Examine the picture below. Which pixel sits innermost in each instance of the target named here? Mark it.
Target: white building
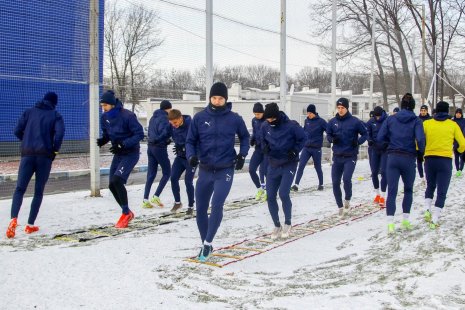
(296, 104)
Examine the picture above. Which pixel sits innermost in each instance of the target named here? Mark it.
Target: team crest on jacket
(228, 178)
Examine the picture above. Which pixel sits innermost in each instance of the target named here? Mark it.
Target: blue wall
(44, 46)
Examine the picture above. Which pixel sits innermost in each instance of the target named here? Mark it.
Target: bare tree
(131, 33)
(443, 28)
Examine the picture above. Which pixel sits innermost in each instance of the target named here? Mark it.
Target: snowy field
(355, 266)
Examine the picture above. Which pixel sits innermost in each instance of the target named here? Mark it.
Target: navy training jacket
(180, 134)
(256, 132)
(314, 129)
(348, 129)
(121, 126)
(41, 130)
(211, 137)
(373, 128)
(160, 129)
(403, 131)
(286, 136)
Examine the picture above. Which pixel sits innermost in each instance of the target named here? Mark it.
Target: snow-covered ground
(355, 266)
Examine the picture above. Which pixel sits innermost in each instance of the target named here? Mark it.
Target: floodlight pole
(283, 81)
(94, 98)
(209, 48)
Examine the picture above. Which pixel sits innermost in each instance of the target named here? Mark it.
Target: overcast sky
(184, 31)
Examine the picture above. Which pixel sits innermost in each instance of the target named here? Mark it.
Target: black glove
(292, 154)
(240, 160)
(53, 155)
(385, 146)
(420, 156)
(101, 142)
(336, 140)
(370, 143)
(193, 161)
(116, 148)
(266, 149)
(355, 143)
(252, 142)
(168, 142)
(179, 149)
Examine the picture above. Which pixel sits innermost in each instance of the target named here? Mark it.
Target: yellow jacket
(440, 136)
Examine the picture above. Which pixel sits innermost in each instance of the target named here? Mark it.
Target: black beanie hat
(459, 110)
(344, 102)
(258, 108)
(271, 111)
(165, 104)
(108, 97)
(442, 106)
(311, 108)
(378, 111)
(51, 97)
(407, 102)
(219, 89)
(396, 109)
(424, 107)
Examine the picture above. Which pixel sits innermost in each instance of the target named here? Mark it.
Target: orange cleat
(11, 230)
(377, 198)
(382, 203)
(124, 220)
(31, 229)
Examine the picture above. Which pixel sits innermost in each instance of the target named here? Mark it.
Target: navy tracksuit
(378, 158)
(403, 132)
(211, 138)
(282, 143)
(419, 163)
(346, 133)
(313, 129)
(438, 171)
(180, 163)
(258, 159)
(121, 126)
(159, 135)
(370, 148)
(459, 157)
(41, 130)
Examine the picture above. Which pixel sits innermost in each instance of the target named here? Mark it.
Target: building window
(355, 108)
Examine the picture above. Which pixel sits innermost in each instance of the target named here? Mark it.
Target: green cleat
(155, 200)
(406, 225)
(391, 228)
(146, 204)
(427, 216)
(433, 226)
(458, 173)
(259, 194)
(264, 197)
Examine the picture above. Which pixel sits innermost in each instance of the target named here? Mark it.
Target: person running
(423, 116)
(440, 133)
(210, 145)
(159, 137)
(370, 147)
(313, 128)
(378, 155)
(181, 124)
(346, 133)
(258, 160)
(459, 158)
(123, 130)
(283, 140)
(41, 130)
(404, 133)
